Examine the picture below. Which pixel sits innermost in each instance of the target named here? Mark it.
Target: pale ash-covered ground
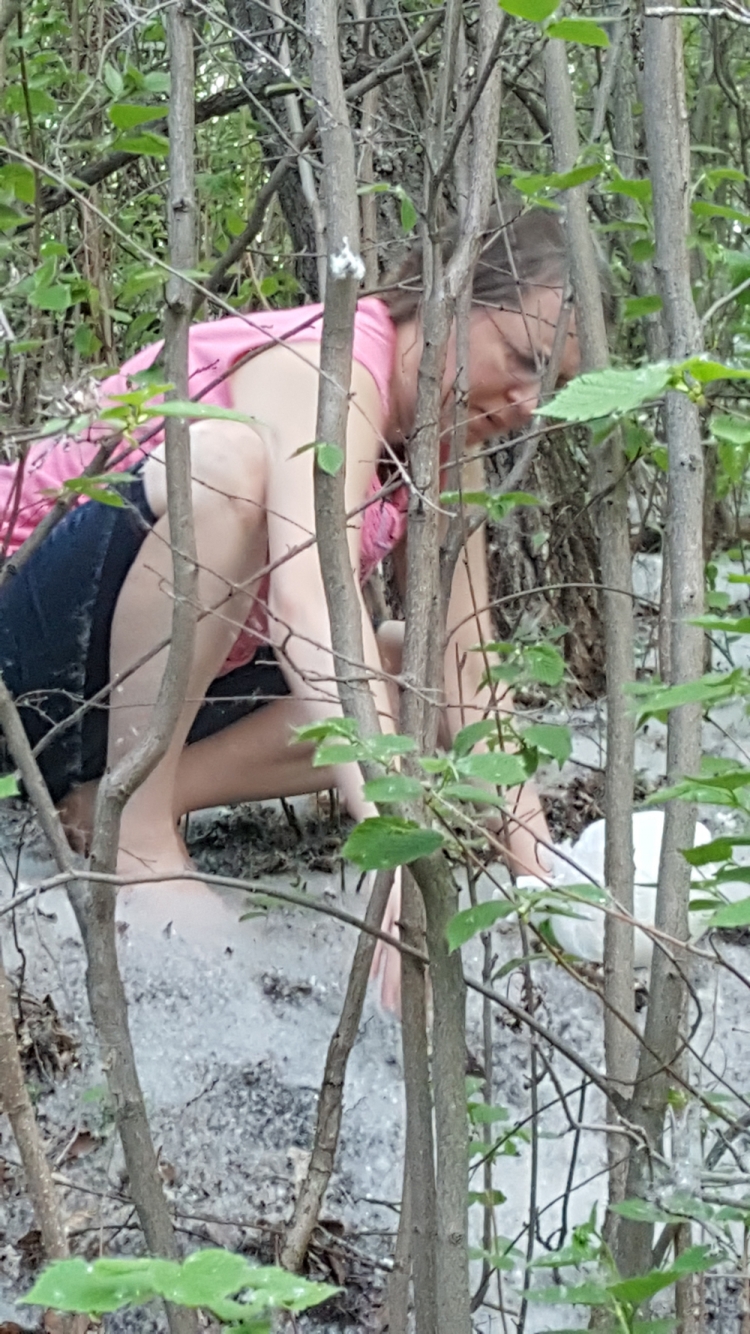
(231, 1022)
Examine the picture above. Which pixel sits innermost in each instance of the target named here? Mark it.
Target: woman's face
(508, 354)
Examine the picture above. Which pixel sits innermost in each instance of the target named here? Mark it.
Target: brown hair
(520, 251)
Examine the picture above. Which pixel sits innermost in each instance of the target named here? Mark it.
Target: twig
(330, 1098)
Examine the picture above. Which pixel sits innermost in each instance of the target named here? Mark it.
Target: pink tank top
(28, 492)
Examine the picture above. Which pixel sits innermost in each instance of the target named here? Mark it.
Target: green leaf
(392, 787)
(705, 208)
(8, 786)
(642, 251)
(544, 664)
(465, 740)
(706, 371)
(635, 307)
(483, 1114)
(113, 80)
(639, 188)
(56, 297)
(177, 407)
(126, 115)
(640, 1211)
(93, 1289)
(19, 178)
(408, 211)
(478, 796)
(551, 739)
(496, 1259)
(583, 1294)
(494, 767)
(732, 914)
(319, 731)
(535, 11)
(583, 31)
(332, 752)
(146, 143)
(385, 841)
(329, 458)
(610, 391)
(384, 748)
(93, 489)
(732, 430)
(468, 923)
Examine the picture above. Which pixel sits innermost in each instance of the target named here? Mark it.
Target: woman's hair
(520, 251)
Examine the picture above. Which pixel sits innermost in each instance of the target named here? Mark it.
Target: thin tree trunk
(94, 904)
(609, 483)
(666, 123)
(17, 1105)
(330, 1100)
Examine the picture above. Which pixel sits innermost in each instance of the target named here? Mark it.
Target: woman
(94, 598)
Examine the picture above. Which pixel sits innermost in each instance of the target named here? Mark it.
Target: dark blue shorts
(55, 627)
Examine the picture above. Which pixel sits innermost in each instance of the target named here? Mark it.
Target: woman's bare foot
(159, 896)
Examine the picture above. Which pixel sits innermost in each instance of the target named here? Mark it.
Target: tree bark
(665, 115)
(609, 483)
(94, 904)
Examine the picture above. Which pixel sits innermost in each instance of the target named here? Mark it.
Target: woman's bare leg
(252, 760)
(231, 542)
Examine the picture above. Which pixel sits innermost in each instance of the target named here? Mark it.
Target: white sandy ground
(231, 1022)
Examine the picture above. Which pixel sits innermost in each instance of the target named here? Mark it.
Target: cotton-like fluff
(583, 935)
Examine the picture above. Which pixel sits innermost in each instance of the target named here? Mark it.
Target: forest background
(170, 162)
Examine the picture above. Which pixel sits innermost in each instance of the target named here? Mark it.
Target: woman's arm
(284, 402)
(469, 624)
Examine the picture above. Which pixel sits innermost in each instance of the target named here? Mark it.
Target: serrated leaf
(382, 842)
(392, 787)
(582, 1294)
(147, 144)
(114, 80)
(732, 914)
(465, 925)
(535, 11)
(465, 740)
(54, 298)
(635, 307)
(19, 178)
(612, 391)
(329, 458)
(408, 212)
(386, 747)
(732, 430)
(550, 738)
(583, 31)
(640, 1211)
(705, 208)
(332, 752)
(639, 188)
(194, 411)
(494, 767)
(126, 115)
(479, 796)
(706, 371)
(8, 786)
(544, 664)
(93, 489)
(484, 1114)
(345, 727)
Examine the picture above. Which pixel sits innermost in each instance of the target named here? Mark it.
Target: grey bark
(667, 135)
(609, 482)
(94, 904)
(331, 1095)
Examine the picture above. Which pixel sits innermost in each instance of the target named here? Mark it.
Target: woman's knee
(390, 638)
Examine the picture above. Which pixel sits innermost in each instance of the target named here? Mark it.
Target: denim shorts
(55, 628)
